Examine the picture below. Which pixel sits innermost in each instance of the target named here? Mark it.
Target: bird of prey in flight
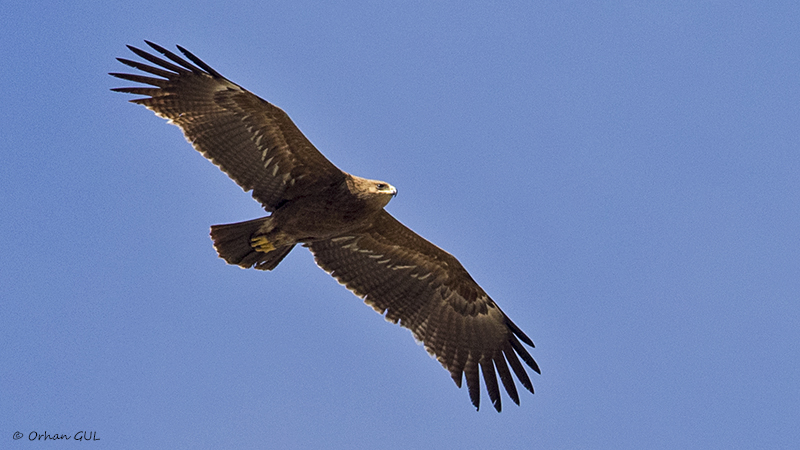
(339, 217)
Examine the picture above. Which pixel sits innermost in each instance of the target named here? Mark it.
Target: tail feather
(232, 242)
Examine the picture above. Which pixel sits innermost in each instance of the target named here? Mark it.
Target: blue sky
(621, 178)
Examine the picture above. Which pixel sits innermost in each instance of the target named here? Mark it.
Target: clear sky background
(621, 177)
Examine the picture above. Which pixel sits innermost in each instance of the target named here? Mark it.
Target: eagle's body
(338, 216)
(346, 206)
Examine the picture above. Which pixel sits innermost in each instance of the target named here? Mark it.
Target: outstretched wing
(428, 291)
(251, 140)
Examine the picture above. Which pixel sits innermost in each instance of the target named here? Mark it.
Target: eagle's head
(376, 193)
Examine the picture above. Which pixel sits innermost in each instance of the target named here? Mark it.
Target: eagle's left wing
(428, 291)
(250, 139)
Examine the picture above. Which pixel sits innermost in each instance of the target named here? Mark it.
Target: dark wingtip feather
(145, 68)
(517, 367)
(158, 61)
(505, 377)
(156, 47)
(173, 57)
(473, 382)
(491, 383)
(147, 92)
(525, 355)
(159, 82)
(199, 62)
(456, 376)
(517, 331)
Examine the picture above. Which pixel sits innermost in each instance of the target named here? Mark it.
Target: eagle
(339, 217)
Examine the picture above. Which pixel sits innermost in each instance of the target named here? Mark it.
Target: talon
(262, 244)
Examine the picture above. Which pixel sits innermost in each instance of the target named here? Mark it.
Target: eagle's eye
(381, 186)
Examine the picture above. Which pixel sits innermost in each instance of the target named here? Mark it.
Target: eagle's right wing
(251, 140)
(428, 291)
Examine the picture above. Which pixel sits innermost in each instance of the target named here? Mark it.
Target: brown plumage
(338, 216)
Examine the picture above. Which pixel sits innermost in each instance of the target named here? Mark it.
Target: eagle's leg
(262, 244)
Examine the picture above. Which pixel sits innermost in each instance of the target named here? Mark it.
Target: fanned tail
(232, 242)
